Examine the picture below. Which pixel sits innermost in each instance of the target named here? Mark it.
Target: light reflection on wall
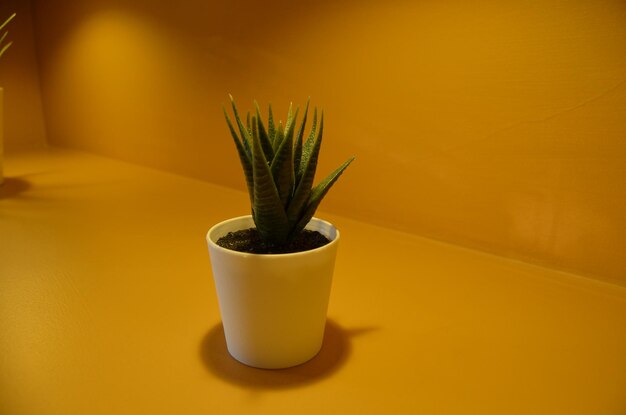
(113, 76)
(493, 125)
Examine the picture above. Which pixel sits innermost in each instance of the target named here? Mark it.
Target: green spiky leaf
(282, 169)
(242, 129)
(303, 187)
(279, 136)
(267, 209)
(245, 136)
(279, 167)
(4, 47)
(307, 147)
(271, 128)
(317, 194)
(245, 157)
(266, 143)
(297, 145)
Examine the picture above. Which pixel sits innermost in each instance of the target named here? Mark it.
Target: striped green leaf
(279, 166)
(317, 194)
(303, 188)
(271, 128)
(266, 144)
(307, 147)
(297, 145)
(245, 157)
(267, 209)
(282, 169)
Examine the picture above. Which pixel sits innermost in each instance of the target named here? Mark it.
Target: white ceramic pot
(273, 306)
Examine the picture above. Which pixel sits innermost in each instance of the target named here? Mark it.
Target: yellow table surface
(107, 306)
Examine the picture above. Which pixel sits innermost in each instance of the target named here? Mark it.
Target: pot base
(275, 363)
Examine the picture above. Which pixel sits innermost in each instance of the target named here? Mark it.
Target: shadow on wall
(334, 353)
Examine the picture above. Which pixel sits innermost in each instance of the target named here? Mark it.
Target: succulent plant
(279, 166)
(5, 46)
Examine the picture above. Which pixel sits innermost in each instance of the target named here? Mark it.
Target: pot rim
(214, 245)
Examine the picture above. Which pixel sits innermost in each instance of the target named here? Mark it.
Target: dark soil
(249, 240)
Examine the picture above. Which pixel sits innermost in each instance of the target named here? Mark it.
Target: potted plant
(3, 48)
(273, 268)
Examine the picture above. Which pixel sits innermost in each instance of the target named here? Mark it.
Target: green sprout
(279, 166)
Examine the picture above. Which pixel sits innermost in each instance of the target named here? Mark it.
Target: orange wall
(496, 125)
(23, 116)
